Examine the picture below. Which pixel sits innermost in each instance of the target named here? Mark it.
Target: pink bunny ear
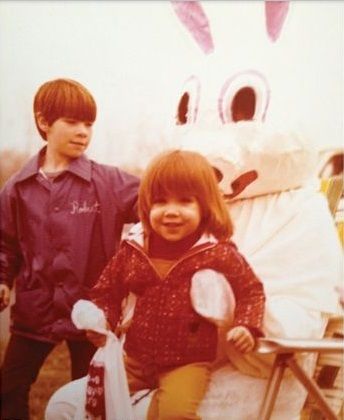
(193, 17)
(275, 14)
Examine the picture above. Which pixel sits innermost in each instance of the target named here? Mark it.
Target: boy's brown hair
(185, 174)
(63, 98)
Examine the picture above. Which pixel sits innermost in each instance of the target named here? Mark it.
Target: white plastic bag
(212, 297)
(109, 360)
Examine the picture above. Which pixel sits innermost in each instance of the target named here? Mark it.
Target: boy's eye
(70, 120)
(73, 121)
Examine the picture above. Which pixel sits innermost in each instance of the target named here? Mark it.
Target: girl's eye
(158, 200)
(186, 200)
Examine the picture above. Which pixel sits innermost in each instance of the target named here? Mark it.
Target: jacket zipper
(189, 254)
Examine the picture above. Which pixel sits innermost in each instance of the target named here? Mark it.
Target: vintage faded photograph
(171, 209)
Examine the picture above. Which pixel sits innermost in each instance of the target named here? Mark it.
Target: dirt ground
(54, 374)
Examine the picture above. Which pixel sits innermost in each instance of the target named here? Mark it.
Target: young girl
(186, 228)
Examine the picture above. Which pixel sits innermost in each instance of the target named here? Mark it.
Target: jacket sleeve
(249, 294)
(126, 189)
(110, 290)
(10, 253)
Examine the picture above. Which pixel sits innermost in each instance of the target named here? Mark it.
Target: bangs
(73, 103)
(177, 177)
(78, 107)
(65, 98)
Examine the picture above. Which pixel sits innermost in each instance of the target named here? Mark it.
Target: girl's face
(175, 217)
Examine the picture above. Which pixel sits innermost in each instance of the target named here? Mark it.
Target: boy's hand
(97, 339)
(4, 296)
(241, 338)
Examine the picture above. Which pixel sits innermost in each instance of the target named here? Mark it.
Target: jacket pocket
(32, 310)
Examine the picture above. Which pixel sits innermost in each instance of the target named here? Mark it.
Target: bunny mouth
(240, 183)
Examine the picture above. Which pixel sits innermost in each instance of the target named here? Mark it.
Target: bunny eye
(244, 97)
(243, 104)
(188, 102)
(183, 109)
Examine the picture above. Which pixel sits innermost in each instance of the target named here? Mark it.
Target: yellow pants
(179, 391)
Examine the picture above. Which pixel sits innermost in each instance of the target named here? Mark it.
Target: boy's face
(67, 138)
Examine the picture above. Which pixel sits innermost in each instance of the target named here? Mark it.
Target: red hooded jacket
(165, 330)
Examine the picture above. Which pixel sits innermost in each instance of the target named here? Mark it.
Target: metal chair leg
(273, 386)
(312, 388)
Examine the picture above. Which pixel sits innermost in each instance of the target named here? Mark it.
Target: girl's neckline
(158, 247)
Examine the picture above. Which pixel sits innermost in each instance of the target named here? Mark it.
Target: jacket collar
(80, 167)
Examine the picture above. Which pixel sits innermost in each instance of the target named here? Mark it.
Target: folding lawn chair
(325, 389)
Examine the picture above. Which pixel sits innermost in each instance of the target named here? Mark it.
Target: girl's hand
(97, 339)
(241, 338)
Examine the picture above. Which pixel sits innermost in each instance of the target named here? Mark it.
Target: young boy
(61, 220)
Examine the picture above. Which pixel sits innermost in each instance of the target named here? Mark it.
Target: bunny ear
(275, 14)
(193, 17)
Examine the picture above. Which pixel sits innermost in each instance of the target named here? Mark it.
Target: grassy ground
(54, 373)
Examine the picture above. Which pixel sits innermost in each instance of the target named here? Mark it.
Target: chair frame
(286, 351)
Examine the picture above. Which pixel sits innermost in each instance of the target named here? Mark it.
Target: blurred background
(134, 57)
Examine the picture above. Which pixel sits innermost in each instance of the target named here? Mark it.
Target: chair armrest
(270, 345)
